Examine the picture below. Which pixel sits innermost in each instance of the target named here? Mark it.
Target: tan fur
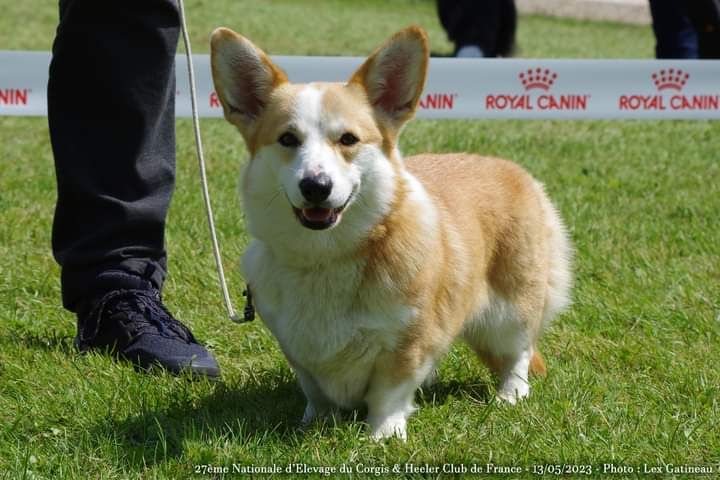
(537, 365)
(391, 125)
(492, 236)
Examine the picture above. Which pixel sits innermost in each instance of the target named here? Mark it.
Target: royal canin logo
(669, 79)
(672, 78)
(538, 78)
(542, 79)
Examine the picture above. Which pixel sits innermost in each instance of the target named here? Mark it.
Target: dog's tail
(537, 364)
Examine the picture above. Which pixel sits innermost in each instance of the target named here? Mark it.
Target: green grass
(633, 374)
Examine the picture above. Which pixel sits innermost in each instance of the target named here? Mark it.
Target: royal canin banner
(456, 88)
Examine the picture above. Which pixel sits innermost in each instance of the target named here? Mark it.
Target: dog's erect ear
(394, 75)
(244, 77)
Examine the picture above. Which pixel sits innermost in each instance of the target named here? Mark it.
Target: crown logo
(672, 78)
(539, 78)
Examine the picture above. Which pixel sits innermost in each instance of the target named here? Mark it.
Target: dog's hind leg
(512, 371)
(503, 335)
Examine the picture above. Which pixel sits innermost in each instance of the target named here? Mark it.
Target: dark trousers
(675, 36)
(705, 16)
(686, 28)
(489, 24)
(111, 113)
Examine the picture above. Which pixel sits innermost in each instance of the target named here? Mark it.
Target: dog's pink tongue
(317, 214)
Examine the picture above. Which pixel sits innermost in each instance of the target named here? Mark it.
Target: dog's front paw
(390, 427)
(512, 391)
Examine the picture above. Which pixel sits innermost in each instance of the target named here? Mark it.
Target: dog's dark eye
(348, 139)
(289, 140)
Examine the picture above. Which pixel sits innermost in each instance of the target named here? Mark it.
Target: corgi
(366, 265)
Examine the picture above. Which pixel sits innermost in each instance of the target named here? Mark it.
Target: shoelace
(144, 311)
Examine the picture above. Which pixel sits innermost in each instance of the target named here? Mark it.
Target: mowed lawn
(633, 365)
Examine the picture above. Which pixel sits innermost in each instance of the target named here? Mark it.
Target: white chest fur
(326, 319)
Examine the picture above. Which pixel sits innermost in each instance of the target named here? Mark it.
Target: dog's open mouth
(318, 218)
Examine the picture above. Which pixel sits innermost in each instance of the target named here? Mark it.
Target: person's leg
(674, 34)
(506, 31)
(111, 113)
(705, 17)
(488, 26)
(111, 95)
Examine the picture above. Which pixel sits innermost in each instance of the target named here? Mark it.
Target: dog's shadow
(267, 409)
(442, 391)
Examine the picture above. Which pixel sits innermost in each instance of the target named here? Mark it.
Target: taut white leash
(249, 313)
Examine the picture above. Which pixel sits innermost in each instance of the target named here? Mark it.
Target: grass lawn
(633, 365)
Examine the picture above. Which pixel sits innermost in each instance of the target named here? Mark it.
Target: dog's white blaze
(315, 155)
(307, 111)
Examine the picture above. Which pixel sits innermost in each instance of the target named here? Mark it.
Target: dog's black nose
(317, 188)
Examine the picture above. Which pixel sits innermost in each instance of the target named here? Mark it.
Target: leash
(249, 312)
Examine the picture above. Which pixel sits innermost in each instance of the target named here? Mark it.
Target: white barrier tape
(457, 88)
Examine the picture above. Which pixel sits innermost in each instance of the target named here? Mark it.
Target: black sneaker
(135, 325)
